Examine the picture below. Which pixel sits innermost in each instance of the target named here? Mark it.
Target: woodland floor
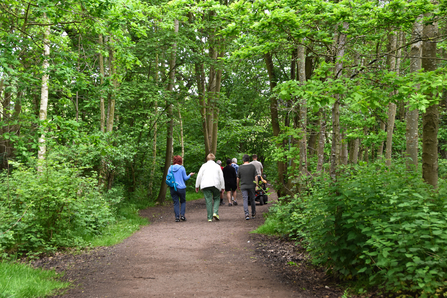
(195, 258)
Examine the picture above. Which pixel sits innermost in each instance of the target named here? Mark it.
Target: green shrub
(381, 227)
(54, 208)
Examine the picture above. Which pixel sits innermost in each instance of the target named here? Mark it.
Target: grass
(192, 195)
(20, 280)
(268, 228)
(128, 222)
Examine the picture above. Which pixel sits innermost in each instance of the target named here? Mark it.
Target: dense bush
(381, 227)
(57, 207)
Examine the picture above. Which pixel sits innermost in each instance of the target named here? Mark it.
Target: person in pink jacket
(211, 181)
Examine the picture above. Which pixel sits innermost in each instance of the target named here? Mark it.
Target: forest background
(342, 101)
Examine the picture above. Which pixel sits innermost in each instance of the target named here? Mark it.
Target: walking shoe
(183, 218)
(229, 204)
(210, 220)
(253, 216)
(177, 219)
(247, 217)
(235, 203)
(216, 217)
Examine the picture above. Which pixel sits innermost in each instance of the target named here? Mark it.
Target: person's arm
(199, 178)
(237, 183)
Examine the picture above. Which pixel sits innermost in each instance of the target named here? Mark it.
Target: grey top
(247, 176)
(258, 167)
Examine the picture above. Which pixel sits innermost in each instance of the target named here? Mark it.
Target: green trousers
(212, 199)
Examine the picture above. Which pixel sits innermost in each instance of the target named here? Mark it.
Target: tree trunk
(321, 142)
(44, 92)
(301, 55)
(430, 119)
(412, 132)
(392, 106)
(336, 139)
(274, 117)
(154, 140)
(111, 105)
(170, 87)
(102, 74)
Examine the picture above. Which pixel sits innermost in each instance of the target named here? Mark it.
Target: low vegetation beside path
(382, 230)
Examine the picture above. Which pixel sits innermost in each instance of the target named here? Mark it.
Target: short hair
(210, 157)
(234, 160)
(254, 156)
(228, 161)
(245, 158)
(178, 160)
(219, 162)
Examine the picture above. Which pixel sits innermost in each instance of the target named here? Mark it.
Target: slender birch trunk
(412, 132)
(301, 55)
(102, 74)
(392, 106)
(44, 91)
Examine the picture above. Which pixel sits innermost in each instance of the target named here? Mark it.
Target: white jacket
(210, 174)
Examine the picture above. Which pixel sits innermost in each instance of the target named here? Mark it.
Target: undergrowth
(377, 227)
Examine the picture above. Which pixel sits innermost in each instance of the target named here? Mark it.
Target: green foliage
(22, 281)
(381, 227)
(54, 208)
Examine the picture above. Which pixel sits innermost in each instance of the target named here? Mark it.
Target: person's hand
(190, 174)
(222, 190)
(197, 189)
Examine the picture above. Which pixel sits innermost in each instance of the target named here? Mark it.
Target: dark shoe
(229, 204)
(177, 219)
(247, 217)
(253, 216)
(235, 203)
(183, 218)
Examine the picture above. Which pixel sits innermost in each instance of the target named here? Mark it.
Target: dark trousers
(178, 195)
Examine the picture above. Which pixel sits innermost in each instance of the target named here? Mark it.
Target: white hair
(234, 160)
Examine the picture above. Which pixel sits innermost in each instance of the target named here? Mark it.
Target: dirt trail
(195, 258)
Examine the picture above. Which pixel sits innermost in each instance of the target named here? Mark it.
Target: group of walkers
(214, 180)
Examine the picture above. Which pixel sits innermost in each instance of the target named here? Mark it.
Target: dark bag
(170, 180)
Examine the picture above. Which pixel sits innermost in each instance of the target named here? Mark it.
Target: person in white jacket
(211, 181)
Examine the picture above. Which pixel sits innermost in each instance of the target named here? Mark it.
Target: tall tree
(170, 127)
(430, 119)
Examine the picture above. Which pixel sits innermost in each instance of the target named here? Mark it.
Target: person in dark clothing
(230, 178)
(179, 195)
(246, 182)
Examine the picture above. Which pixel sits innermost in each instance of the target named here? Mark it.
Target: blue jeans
(179, 195)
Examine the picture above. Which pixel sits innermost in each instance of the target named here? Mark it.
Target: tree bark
(154, 139)
(336, 138)
(430, 119)
(44, 92)
(301, 55)
(412, 132)
(392, 106)
(102, 74)
(274, 117)
(170, 87)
